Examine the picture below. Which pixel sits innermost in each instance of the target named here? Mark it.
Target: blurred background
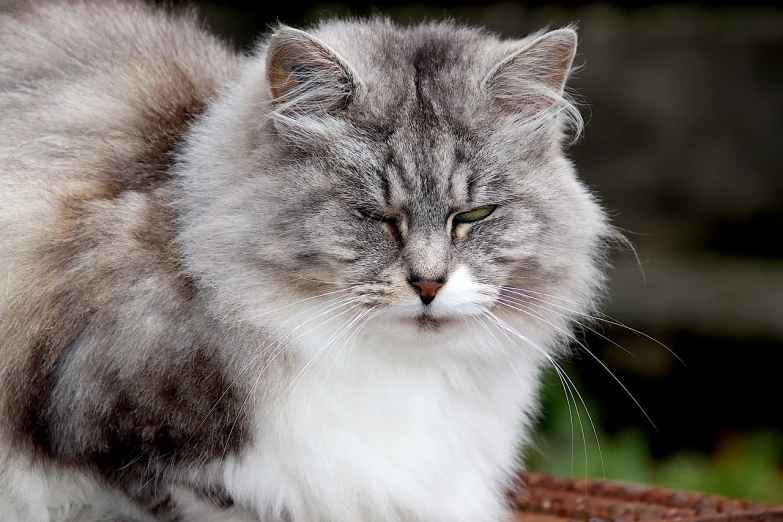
(684, 144)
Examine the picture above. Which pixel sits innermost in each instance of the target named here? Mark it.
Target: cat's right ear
(306, 76)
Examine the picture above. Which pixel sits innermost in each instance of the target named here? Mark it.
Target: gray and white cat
(313, 284)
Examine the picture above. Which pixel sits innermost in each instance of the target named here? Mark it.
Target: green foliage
(747, 466)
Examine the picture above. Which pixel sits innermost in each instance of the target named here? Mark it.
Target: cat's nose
(426, 290)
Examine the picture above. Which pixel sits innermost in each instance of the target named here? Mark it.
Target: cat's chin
(428, 322)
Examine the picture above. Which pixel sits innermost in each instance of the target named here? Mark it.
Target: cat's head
(417, 173)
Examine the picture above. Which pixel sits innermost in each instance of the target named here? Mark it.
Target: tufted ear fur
(533, 78)
(306, 76)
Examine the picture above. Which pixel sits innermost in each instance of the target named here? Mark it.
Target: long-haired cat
(317, 283)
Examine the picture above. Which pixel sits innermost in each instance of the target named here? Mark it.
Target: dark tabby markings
(33, 392)
(162, 120)
(430, 58)
(215, 495)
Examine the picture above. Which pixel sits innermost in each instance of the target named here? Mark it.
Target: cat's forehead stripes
(427, 173)
(433, 141)
(419, 106)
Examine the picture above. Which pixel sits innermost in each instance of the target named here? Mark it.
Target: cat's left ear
(307, 76)
(533, 78)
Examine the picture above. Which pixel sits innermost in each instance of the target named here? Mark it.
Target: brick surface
(545, 498)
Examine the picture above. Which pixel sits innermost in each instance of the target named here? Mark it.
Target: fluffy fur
(208, 300)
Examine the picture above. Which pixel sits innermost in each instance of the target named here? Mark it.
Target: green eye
(474, 215)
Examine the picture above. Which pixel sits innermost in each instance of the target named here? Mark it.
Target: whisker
(467, 325)
(350, 349)
(304, 369)
(280, 350)
(260, 351)
(336, 335)
(330, 343)
(329, 304)
(606, 319)
(610, 372)
(279, 342)
(499, 345)
(303, 372)
(344, 283)
(523, 303)
(300, 301)
(499, 322)
(351, 338)
(566, 392)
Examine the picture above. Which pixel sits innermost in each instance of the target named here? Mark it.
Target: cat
(317, 282)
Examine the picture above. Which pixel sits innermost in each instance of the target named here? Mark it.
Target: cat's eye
(375, 215)
(476, 214)
(389, 223)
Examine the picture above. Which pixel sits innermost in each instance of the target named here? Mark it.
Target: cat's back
(94, 97)
(101, 66)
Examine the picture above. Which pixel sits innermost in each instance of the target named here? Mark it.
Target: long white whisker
(498, 343)
(363, 318)
(305, 368)
(260, 350)
(299, 378)
(519, 300)
(499, 322)
(571, 389)
(282, 347)
(610, 372)
(507, 300)
(301, 301)
(569, 396)
(341, 302)
(607, 319)
(352, 283)
(350, 349)
(330, 343)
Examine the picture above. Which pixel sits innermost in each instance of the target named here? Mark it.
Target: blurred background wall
(684, 144)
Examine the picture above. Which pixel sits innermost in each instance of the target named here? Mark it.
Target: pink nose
(427, 290)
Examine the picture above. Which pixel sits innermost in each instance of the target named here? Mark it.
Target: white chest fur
(387, 436)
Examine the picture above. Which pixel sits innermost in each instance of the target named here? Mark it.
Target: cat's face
(417, 173)
(419, 193)
(424, 224)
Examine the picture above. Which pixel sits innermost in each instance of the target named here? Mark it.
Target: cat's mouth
(427, 322)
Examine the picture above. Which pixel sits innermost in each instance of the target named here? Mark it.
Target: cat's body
(279, 309)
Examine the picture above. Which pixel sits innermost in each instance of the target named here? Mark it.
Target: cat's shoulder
(90, 36)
